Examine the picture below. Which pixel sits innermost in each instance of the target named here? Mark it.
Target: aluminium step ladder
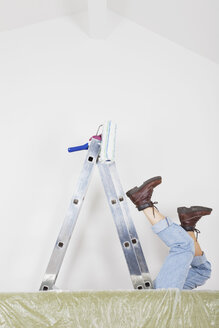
(117, 201)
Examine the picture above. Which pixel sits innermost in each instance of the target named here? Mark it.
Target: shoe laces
(153, 206)
(197, 232)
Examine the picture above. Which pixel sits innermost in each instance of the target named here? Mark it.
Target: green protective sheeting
(128, 309)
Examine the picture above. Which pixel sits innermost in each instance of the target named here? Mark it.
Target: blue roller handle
(82, 147)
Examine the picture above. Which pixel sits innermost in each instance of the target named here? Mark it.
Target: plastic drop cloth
(128, 309)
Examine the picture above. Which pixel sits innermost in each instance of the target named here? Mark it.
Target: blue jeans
(181, 269)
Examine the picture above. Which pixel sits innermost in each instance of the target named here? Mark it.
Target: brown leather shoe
(189, 216)
(141, 196)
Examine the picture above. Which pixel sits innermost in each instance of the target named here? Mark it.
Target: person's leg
(198, 250)
(200, 270)
(176, 266)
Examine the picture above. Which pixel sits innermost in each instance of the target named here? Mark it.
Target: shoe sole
(182, 210)
(133, 190)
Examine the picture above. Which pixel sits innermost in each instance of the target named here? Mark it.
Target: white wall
(56, 86)
(16, 13)
(193, 24)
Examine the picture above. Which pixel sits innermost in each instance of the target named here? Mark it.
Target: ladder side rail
(131, 227)
(70, 220)
(121, 227)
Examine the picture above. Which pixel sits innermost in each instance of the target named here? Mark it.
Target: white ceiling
(193, 24)
(16, 13)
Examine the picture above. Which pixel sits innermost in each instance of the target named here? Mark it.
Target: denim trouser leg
(199, 272)
(176, 267)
